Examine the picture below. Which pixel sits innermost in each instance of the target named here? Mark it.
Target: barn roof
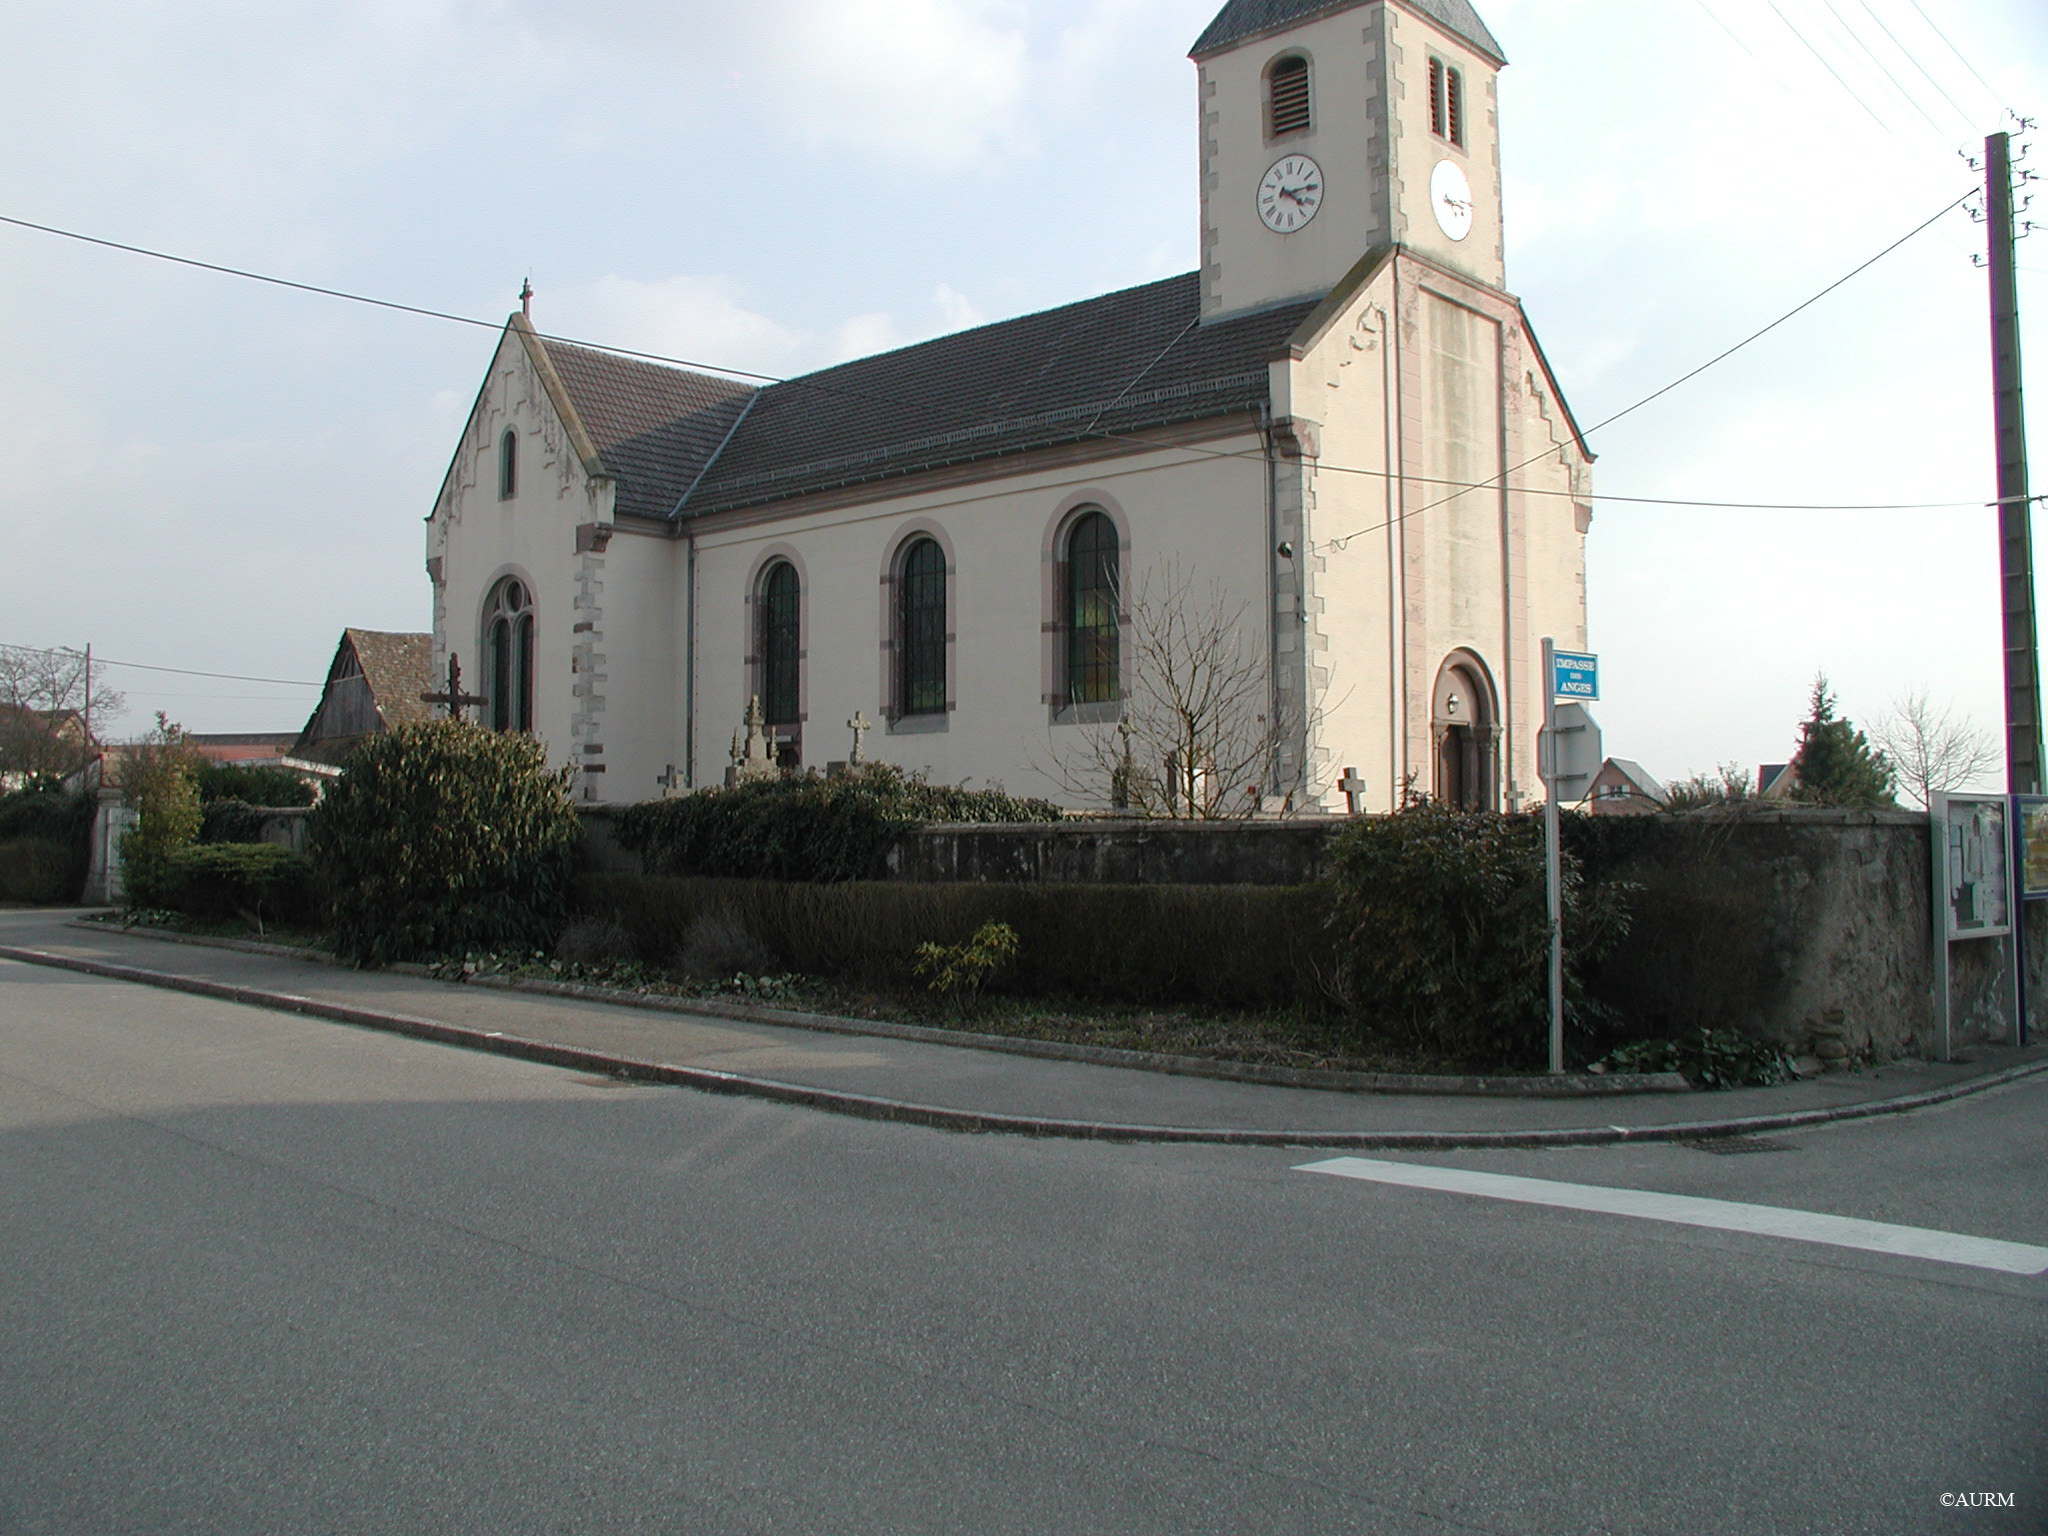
(1241, 19)
(689, 444)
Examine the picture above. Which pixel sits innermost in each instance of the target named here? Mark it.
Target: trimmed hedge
(253, 784)
(224, 881)
(38, 870)
(45, 845)
(232, 821)
(804, 827)
(1231, 946)
(1444, 933)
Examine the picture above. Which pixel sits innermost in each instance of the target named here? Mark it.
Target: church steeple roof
(1241, 19)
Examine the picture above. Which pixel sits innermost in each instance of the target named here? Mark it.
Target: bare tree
(43, 709)
(1935, 751)
(1198, 734)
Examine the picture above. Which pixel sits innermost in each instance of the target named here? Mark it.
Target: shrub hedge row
(258, 881)
(804, 827)
(45, 845)
(1234, 946)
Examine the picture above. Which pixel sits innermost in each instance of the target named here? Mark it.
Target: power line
(1687, 378)
(1885, 69)
(1914, 58)
(433, 314)
(1989, 89)
(1854, 95)
(146, 666)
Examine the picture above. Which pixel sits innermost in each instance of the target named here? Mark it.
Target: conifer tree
(1836, 763)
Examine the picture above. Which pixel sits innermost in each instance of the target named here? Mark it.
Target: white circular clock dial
(1450, 198)
(1290, 194)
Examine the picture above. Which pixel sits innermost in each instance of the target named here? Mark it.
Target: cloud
(938, 82)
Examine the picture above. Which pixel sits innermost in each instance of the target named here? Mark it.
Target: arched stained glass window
(781, 600)
(921, 629)
(1093, 636)
(508, 465)
(508, 652)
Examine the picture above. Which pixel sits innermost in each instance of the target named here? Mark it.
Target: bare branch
(1935, 751)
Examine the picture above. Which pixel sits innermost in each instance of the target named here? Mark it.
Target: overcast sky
(205, 473)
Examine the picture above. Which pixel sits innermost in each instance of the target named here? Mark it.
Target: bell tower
(1333, 128)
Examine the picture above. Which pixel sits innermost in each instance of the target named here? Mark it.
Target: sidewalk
(962, 1088)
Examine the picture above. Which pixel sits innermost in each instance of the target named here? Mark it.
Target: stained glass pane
(1092, 629)
(781, 633)
(921, 597)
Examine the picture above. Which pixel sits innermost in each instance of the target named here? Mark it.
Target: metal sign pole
(1553, 852)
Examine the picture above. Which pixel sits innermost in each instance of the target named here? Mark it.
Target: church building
(1340, 432)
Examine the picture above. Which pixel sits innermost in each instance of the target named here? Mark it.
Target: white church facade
(1342, 422)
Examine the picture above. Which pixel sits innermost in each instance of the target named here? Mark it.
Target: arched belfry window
(921, 629)
(1288, 105)
(1093, 634)
(1447, 102)
(508, 655)
(508, 465)
(780, 606)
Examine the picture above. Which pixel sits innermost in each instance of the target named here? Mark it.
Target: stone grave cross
(860, 725)
(1352, 786)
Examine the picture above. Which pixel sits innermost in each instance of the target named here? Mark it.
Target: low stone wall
(1791, 925)
(1117, 853)
(1801, 926)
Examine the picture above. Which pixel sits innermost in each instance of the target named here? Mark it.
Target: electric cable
(468, 320)
(1989, 89)
(1914, 59)
(146, 666)
(1898, 85)
(1853, 94)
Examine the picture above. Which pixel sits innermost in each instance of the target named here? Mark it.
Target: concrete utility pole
(2015, 510)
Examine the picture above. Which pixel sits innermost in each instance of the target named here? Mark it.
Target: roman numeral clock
(1290, 194)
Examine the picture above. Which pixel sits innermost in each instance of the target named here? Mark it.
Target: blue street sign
(1575, 675)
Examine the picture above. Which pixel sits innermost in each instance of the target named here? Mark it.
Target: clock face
(1450, 198)
(1290, 194)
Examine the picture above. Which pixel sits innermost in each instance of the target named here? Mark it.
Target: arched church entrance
(1467, 733)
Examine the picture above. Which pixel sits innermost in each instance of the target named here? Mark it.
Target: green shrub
(161, 781)
(257, 882)
(1230, 946)
(232, 821)
(1709, 1058)
(253, 784)
(47, 812)
(1442, 928)
(442, 838)
(804, 827)
(959, 971)
(39, 870)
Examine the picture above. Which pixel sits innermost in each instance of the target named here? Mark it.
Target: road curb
(1585, 1086)
(870, 1107)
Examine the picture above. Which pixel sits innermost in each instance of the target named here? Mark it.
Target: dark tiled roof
(654, 428)
(399, 669)
(1241, 19)
(1124, 362)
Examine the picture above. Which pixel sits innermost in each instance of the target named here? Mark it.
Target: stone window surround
(1052, 602)
(765, 561)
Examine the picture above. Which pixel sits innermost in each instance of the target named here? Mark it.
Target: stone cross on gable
(1351, 786)
(452, 697)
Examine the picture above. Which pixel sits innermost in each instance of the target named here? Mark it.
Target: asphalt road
(266, 1275)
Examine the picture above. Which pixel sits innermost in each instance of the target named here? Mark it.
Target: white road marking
(1689, 1211)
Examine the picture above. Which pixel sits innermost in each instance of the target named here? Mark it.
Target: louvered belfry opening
(1446, 102)
(1287, 97)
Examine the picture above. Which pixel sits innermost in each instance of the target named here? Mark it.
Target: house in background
(1776, 781)
(1624, 788)
(246, 749)
(374, 685)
